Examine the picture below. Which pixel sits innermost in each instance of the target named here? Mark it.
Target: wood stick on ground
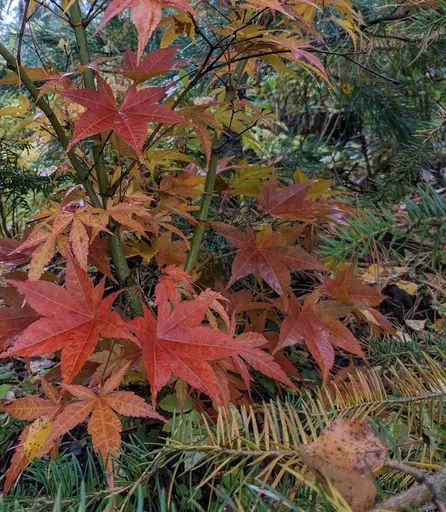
(430, 488)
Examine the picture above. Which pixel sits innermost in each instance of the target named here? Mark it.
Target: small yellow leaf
(37, 436)
(318, 188)
(407, 286)
(32, 6)
(133, 376)
(300, 177)
(142, 249)
(373, 273)
(278, 65)
(347, 88)
(350, 28)
(438, 325)
(24, 103)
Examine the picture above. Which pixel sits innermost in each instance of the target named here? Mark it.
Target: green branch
(116, 248)
(88, 76)
(81, 170)
(211, 175)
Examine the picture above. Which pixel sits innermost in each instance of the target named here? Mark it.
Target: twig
(389, 18)
(22, 30)
(65, 18)
(213, 256)
(430, 488)
(384, 77)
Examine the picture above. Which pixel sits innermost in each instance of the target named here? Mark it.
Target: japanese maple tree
(149, 176)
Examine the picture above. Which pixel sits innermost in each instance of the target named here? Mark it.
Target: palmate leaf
(104, 425)
(177, 343)
(72, 320)
(154, 64)
(268, 253)
(320, 332)
(145, 14)
(356, 297)
(61, 220)
(15, 318)
(33, 438)
(129, 122)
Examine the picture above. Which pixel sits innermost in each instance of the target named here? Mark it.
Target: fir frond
(426, 220)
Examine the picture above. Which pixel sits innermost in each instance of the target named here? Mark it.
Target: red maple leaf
(362, 299)
(104, 425)
(129, 122)
(15, 318)
(154, 64)
(319, 330)
(295, 201)
(346, 288)
(270, 254)
(177, 343)
(146, 15)
(72, 319)
(8, 246)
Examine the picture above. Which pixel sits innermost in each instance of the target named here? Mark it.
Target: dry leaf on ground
(346, 453)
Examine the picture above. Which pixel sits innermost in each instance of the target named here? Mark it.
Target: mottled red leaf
(268, 253)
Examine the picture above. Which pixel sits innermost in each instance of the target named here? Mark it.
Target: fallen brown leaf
(346, 453)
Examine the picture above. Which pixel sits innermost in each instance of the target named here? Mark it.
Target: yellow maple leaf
(37, 435)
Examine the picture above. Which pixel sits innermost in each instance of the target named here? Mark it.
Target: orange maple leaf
(177, 343)
(30, 408)
(103, 404)
(57, 220)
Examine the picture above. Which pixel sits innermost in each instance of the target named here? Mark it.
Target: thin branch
(430, 488)
(61, 17)
(93, 15)
(385, 19)
(57, 5)
(22, 31)
(384, 77)
(232, 139)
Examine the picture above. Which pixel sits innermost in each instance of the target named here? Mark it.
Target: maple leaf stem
(107, 362)
(81, 170)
